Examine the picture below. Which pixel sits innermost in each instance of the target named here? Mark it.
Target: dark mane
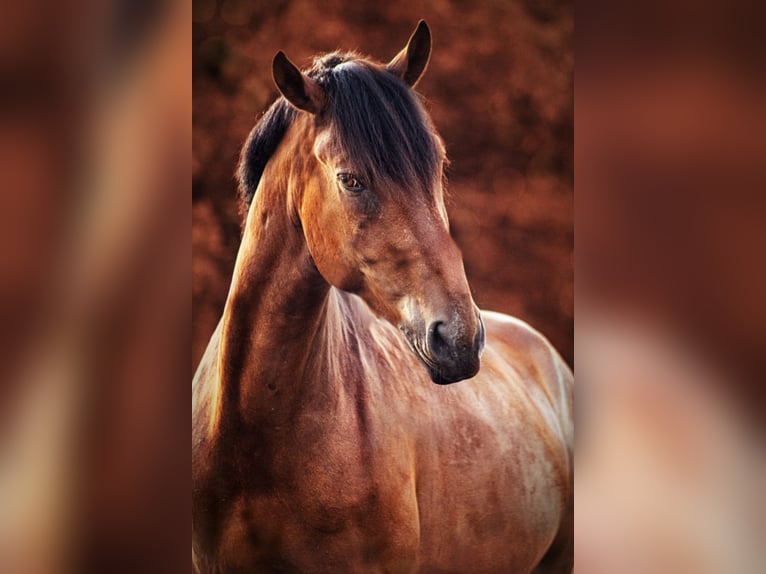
(374, 115)
(263, 141)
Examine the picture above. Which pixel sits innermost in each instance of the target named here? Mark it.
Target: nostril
(437, 343)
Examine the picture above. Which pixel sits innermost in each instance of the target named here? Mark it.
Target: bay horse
(320, 442)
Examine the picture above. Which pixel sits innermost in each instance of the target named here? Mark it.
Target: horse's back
(515, 344)
(524, 345)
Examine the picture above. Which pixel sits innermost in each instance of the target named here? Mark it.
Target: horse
(355, 411)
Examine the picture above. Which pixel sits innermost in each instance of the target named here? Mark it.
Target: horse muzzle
(448, 355)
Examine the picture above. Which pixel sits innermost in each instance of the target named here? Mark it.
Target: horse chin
(439, 374)
(442, 376)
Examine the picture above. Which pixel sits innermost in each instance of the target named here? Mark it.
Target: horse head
(369, 199)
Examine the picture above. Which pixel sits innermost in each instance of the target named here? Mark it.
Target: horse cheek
(330, 253)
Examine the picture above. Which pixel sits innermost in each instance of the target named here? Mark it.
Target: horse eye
(351, 182)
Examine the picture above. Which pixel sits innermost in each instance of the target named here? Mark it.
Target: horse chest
(321, 503)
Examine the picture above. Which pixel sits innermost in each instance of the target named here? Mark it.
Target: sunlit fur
(320, 442)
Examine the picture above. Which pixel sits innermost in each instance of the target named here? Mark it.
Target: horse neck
(276, 307)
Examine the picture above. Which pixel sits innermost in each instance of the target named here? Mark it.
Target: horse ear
(297, 88)
(410, 63)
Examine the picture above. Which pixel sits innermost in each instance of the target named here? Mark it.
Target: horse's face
(391, 246)
(383, 236)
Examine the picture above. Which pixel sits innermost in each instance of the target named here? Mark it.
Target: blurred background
(499, 89)
(95, 151)
(97, 159)
(671, 313)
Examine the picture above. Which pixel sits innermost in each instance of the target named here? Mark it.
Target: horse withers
(320, 442)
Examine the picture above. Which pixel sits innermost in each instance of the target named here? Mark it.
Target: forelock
(379, 120)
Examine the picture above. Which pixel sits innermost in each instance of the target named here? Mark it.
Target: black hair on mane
(373, 113)
(261, 144)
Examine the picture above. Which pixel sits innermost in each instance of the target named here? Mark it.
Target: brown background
(499, 89)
